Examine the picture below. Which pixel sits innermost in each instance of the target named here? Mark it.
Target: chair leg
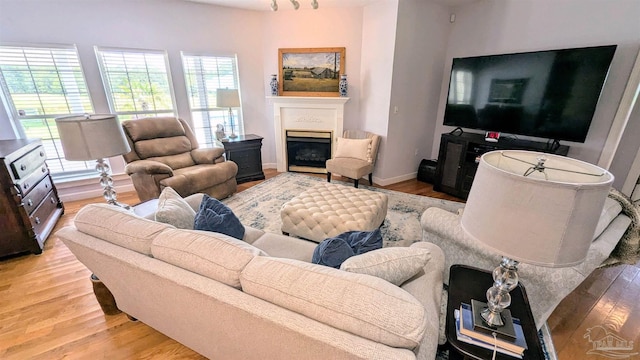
(355, 182)
(328, 177)
(370, 179)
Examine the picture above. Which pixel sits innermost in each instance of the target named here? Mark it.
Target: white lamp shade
(546, 222)
(227, 98)
(91, 137)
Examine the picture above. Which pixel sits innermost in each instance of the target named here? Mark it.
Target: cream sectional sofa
(260, 297)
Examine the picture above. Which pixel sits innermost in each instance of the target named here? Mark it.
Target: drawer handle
(41, 153)
(25, 185)
(46, 186)
(43, 169)
(30, 202)
(23, 167)
(37, 220)
(53, 201)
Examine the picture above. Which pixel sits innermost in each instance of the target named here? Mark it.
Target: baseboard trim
(90, 188)
(395, 179)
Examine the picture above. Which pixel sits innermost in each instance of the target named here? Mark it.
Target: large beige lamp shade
(94, 137)
(536, 208)
(228, 98)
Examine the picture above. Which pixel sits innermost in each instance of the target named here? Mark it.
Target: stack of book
(479, 336)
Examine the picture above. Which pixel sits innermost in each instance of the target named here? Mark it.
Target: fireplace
(308, 151)
(306, 114)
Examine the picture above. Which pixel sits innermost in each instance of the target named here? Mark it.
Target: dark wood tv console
(459, 155)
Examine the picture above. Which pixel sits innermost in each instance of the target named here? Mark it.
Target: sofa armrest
(545, 286)
(427, 288)
(148, 167)
(207, 155)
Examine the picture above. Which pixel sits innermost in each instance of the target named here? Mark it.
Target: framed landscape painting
(310, 71)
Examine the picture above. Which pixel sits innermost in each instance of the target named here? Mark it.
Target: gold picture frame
(310, 71)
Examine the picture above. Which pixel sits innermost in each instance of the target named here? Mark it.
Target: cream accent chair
(165, 153)
(354, 159)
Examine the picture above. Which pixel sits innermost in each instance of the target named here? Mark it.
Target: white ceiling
(264, 5)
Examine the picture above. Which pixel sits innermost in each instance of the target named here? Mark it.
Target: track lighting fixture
(295, 3)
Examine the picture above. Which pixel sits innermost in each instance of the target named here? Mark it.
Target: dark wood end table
(245, 151)
(466, 283)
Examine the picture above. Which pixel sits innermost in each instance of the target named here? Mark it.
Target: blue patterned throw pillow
(217, 217)
(334, 251)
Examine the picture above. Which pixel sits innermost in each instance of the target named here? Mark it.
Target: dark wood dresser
(245, 151)
(29, 203)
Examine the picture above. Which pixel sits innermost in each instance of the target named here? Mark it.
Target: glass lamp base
(109, 192)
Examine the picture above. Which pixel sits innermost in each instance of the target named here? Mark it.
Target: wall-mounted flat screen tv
(549, 94)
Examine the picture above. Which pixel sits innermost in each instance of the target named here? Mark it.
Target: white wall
(503, 26)
(308, 28)
(420, 47)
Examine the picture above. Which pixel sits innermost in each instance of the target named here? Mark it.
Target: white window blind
(137, 82)
(39, 84)
(203, 76)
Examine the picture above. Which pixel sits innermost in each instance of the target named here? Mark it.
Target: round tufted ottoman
(328, 209)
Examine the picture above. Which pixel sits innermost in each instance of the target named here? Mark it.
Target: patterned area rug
(259, 207)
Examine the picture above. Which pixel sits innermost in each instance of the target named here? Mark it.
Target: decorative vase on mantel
(274, 85)
(342, 85)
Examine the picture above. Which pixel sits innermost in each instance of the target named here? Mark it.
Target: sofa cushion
(213, 255)
(335, 250)
(394, 264)
(360, 304)
(354, 148)
(119, 226)
(173, 209)
(217, 217)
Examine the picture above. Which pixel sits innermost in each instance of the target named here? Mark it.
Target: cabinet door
(449, 166)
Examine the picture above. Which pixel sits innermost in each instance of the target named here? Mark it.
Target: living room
(398, 57)
(411, 62)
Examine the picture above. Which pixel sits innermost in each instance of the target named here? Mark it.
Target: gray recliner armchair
(165, 153)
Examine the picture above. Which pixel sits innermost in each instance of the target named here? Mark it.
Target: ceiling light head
(296, 4)
(314, 4)
(274, 5)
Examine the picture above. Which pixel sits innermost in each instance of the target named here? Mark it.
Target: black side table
(245, 150)
(466, 283)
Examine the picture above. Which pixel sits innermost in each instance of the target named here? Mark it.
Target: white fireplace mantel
(305, 113)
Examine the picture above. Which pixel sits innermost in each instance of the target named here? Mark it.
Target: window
(203, 76)
(137, 82)
(461, 84)
(39, 84)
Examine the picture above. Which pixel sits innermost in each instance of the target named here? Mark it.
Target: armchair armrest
(148, 167)
(207, 155)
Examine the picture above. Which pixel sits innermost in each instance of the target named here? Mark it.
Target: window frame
(211, 107)
(16, 118)
(108, 89)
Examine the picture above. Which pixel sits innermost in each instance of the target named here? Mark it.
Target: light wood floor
(48, 310)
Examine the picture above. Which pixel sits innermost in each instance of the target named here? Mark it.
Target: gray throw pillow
(174, 210)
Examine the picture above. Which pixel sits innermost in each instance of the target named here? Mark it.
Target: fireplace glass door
(308, 151)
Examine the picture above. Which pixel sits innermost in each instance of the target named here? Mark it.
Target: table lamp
(94, 137)
(228, 98)
(536, 208)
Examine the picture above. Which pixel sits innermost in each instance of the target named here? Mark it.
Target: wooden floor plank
(48, 310)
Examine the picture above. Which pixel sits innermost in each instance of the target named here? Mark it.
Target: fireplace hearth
(308, 151)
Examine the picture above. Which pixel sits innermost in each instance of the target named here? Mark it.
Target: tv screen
(549, 94)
